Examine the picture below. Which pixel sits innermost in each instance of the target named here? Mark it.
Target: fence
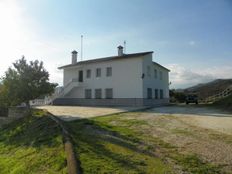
(223, 94)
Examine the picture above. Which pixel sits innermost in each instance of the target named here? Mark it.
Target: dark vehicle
(191, 98)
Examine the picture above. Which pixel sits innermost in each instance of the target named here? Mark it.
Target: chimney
(120, 50)
(74, 57)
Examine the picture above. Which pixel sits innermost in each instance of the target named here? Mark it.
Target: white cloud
(182, 77)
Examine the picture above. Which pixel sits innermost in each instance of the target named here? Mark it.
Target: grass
(32, 145)
(116, 144)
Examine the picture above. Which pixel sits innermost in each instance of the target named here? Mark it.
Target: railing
(223, 94)
(68, 87)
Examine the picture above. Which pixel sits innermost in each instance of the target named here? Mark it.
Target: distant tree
(177, 96)
(25, 82)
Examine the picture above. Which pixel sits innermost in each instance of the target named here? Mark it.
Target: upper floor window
(80, 76)
(98, 72)
(109, 71)
(148, 71)
(109, 93)
(161, 75)
(88, 74)
(155, 73)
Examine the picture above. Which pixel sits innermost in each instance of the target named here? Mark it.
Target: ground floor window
(156, 94)
(149, 93)
(161, 94)
(109, 93)
(88, 93)
(98, 93)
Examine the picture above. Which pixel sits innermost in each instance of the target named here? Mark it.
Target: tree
(25, 82)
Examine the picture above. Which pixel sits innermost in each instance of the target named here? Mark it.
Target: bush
(3, 112)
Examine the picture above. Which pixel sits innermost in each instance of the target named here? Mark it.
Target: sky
(192, 38)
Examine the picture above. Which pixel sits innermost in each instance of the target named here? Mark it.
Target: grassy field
(32, 145)
(128, 143)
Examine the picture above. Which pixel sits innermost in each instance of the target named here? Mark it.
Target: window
(109, 93)
(148, 71)
(149, 93)
(161, 94)
(161, 75)
(156, 94)
(88, 93)
(98, 72)
(98, 93)
(109, 71)
(155, 73)
(88, 74)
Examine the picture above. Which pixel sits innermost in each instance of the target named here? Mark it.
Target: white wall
(126, 78)
(152, 82)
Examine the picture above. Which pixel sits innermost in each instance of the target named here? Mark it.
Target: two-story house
(122, 80)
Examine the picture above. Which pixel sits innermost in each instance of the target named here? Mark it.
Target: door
(80, 76)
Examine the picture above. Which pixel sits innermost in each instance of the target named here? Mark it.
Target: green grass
(115, 144)
(32, 145)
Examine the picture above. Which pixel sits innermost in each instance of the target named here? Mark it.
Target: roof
(124, 56)
(161, 66)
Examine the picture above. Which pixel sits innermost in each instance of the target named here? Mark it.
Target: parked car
(191, 98)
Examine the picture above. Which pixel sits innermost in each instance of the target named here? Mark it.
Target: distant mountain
(208, 89)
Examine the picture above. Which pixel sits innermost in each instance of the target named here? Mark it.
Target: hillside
(225, 103)
(32, 145)
(209, 89)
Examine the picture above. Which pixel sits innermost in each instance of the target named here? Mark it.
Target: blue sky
(193, 38)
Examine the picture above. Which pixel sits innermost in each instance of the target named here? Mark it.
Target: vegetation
(116, 144)
(24, 82)
(178, 97)
(225, 103)
(32, 145)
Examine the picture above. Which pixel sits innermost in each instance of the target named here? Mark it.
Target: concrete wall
(110, 102)
(126, 78)
(17, 112)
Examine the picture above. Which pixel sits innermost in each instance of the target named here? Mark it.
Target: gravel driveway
(205, 117)
(69, 113)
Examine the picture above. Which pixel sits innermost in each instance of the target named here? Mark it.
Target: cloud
(182, 77)
(192, 43)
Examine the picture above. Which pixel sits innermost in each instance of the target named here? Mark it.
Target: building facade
(122, 80)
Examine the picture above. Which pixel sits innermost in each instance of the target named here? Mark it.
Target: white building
(125, 79)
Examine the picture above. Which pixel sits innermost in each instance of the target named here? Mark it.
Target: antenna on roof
(124, 44)
(81, 47)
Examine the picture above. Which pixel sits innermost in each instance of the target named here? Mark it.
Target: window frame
(149, 93)
(108, 73)
(161, 94)
(155, 73)
(98, 72)
(106, 93)
(156, 94)
(96, 96)
(88, 73)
